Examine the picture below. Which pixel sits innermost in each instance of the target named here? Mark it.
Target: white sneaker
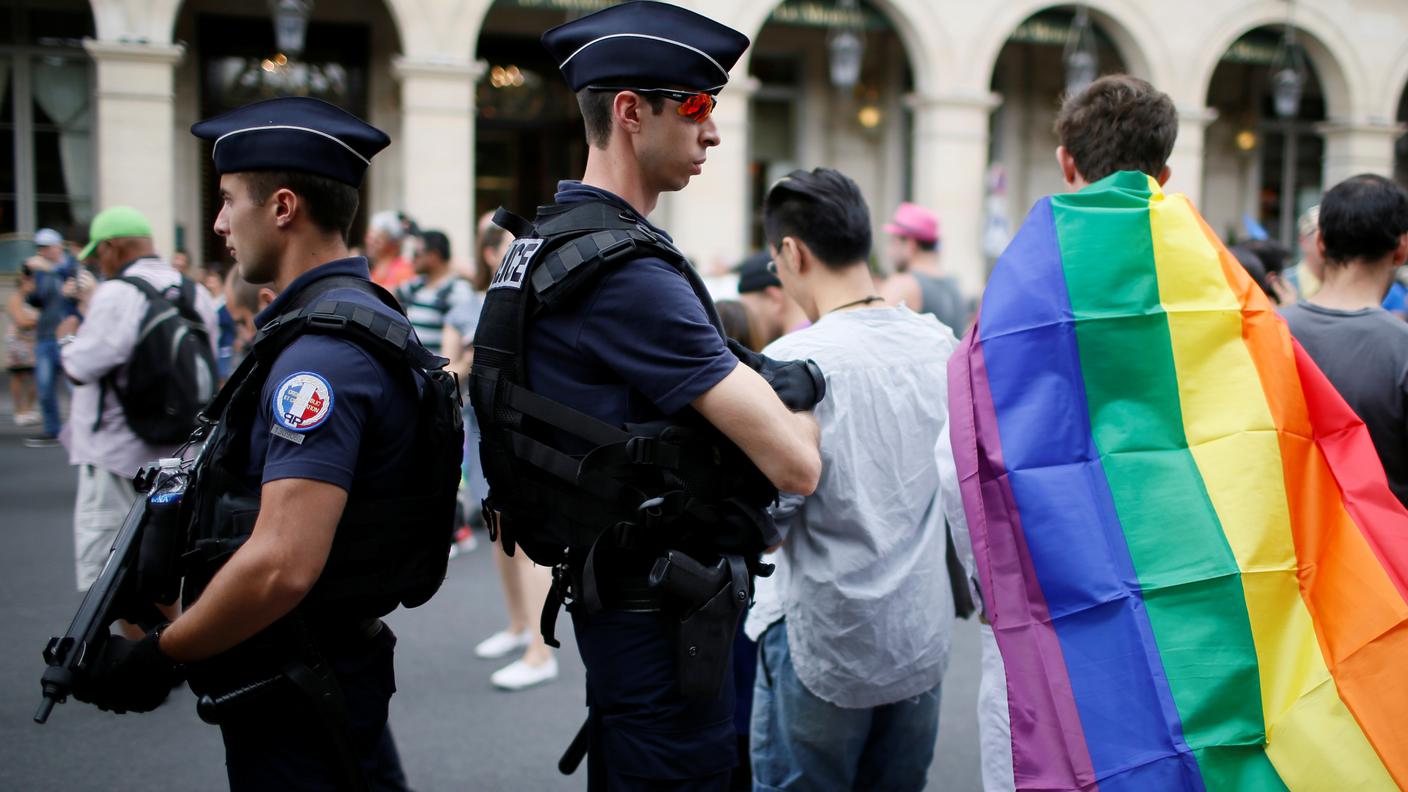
(502, 644)
(27, 419)
(519, 675)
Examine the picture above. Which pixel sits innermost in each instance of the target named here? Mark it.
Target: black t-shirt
(637, 347)
(330, 410)
(1364, 354)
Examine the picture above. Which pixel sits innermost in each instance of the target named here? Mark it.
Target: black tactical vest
(678, 483)
(387, 551)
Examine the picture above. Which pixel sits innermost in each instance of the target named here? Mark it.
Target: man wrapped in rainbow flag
(1195, 570)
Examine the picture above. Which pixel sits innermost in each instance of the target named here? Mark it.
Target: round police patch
(302, 402)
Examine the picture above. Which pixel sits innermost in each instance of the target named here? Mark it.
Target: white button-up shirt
(104, 344)
(861, 577)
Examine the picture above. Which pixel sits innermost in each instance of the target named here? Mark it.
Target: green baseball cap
(116, 222)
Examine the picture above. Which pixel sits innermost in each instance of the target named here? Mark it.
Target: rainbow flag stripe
(1192, 561)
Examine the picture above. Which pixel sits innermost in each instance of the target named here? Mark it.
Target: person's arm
(268, 576)
(784, 445)
(105, 340)
(902, 289)
(21, 314)
(951, 498)
(461, 355)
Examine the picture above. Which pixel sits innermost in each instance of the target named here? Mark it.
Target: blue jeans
(48, 367)
(802, 742)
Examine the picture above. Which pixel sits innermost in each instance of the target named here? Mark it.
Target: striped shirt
(427, 304)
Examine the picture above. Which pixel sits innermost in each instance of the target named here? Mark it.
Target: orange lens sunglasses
(697, 107)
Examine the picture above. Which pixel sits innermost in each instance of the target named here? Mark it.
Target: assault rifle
(120, 592)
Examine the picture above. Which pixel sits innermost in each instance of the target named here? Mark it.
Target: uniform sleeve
(647, 325)
(316, 404)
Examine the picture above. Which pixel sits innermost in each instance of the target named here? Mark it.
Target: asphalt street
(454, 730)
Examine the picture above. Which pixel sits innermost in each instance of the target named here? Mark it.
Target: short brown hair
(596, 113)
(331, 205)
(1119, 123)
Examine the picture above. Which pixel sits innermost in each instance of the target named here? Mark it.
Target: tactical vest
(677, 483)
(387, 551)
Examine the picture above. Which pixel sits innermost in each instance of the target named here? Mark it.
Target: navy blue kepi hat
(645, 45)
(294, 133)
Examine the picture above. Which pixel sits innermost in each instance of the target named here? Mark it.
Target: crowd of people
(839, 661)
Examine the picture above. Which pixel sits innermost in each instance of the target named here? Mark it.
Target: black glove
(798, 383)
(129, 676)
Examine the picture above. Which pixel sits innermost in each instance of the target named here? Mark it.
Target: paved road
(454, 730)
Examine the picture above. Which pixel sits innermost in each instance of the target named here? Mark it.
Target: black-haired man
(621, 437)
(853, 628)
(774, 313)
(435, 291)
(1360, 347)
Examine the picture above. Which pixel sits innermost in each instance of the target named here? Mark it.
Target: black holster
(713, 599)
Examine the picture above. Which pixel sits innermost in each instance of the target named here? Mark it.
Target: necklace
(862, 301)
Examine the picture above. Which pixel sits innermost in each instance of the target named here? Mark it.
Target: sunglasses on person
(697, 107)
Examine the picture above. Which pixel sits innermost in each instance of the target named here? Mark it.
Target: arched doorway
(528, 130)
(805, 113)
(1262, 169)
(46, 123)
(233, 59)
(1031, 76)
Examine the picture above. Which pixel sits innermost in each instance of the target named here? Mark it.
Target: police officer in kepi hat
(625, 443)
(324, 496)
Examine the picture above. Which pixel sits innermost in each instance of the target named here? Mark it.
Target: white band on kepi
(295, 128)
(696, 50)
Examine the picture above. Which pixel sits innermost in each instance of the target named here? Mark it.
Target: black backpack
(171, 373)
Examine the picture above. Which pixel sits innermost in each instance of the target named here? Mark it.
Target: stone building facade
(949, 90)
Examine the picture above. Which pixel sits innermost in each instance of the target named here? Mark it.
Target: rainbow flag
(1187, 547)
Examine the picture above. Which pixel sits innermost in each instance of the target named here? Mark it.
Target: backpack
(171, 373)
(388, 551)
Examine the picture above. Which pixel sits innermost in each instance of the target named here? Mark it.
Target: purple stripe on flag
(1049, 742)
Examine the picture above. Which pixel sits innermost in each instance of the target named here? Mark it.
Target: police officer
(632, 341)
(314, 485)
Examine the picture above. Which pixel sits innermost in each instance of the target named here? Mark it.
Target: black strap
(352, 320)
(562, 417)
(512, 223)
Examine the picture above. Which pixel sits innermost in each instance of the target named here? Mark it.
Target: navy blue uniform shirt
(637, 347)
(330, 410)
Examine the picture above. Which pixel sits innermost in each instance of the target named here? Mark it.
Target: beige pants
(103, 502)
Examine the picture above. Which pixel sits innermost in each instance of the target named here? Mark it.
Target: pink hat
(915, 222)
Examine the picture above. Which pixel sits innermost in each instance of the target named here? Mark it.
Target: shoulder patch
(302, 402)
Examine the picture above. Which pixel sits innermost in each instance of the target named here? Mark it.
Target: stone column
(1358, 146)
(1186, 162)
(950, 162)
(136, 131)
(709, 219)
(437, 146)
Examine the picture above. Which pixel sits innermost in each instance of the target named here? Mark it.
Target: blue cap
(645, 45)
(295, 133)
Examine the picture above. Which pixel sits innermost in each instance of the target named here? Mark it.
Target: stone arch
(1397, 86)
(1131, 30)
(926, 45)
(1330, 52)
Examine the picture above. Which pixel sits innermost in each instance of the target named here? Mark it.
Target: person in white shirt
(854, 626)
(107, 452)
